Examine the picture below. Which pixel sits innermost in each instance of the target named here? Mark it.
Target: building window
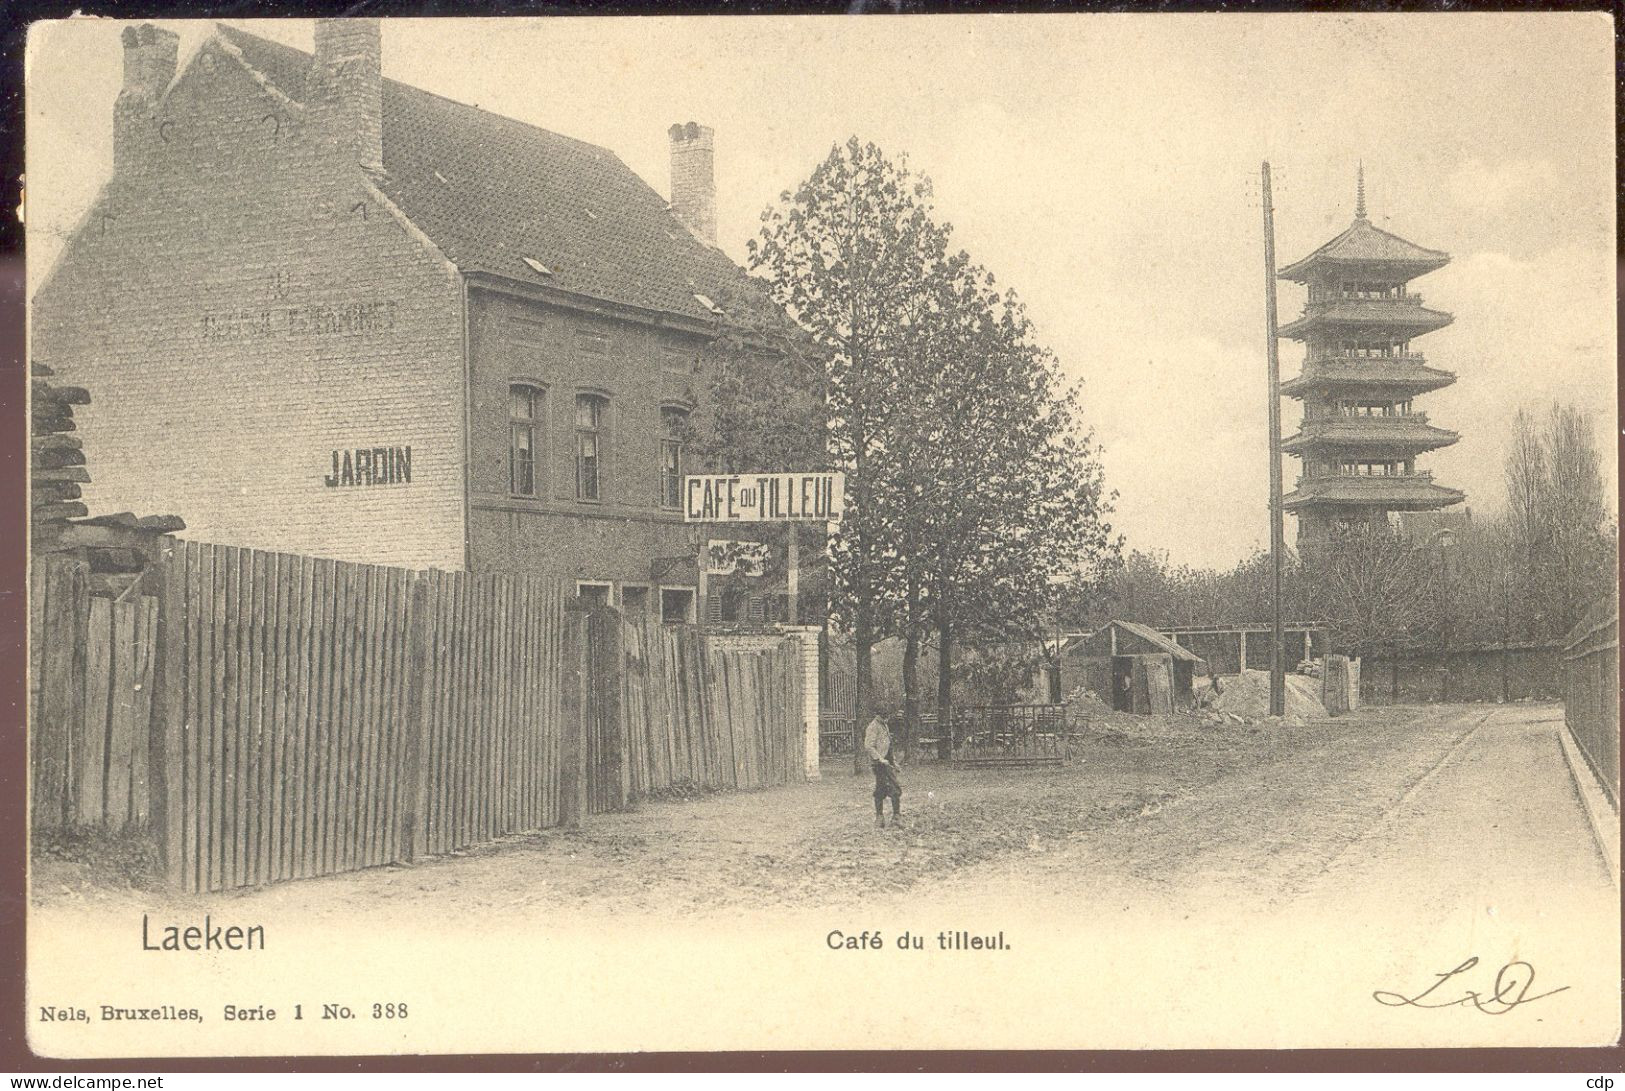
(673, 425)
(677, 605)
(591, 411)
(525, 405)
(594, 593)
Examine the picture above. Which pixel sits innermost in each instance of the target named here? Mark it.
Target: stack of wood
(58, 461)
(118, 548)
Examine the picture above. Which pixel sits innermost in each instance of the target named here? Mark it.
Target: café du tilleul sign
(763, 498)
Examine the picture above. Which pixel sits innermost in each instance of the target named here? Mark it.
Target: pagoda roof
(1403, 492)
(1406, 433)
(1397, 374)
(1369, 312)
(1364, 243)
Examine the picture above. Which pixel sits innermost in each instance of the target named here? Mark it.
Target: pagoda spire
(1359, 192)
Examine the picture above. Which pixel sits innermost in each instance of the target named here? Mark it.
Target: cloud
(1483, 187)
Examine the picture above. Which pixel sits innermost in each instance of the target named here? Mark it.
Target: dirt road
(1213, 886)
(1256, 817)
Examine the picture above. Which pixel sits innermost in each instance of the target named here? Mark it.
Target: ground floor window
(594, 592)
(634, 600)
(677, 605)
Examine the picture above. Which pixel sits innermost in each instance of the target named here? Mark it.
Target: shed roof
(1151, 637)
(491, 191)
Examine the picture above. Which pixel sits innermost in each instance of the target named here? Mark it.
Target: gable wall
(240, 306)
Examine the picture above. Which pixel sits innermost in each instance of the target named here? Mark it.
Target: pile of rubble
(1245, 698)
(118, 547)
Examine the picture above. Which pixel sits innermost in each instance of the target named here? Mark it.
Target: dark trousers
(886, 787)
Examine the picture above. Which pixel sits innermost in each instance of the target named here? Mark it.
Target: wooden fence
(283, 717)
(90, 695)
(1591, 692)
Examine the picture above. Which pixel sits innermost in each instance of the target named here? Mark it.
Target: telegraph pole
(1277, 534)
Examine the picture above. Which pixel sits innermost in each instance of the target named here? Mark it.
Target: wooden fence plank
(90, 801)
(321, 774)
(38, 635)
(143, 676)
(127, 619)
(220, 562)
(51, 729)
(199, 673)
(166, 752)
(263, 626)
(310, 711)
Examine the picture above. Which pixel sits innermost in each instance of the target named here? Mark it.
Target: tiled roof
(1364, 242)
(1387, 312)
(1369, 372)
(490, 192)
(1416, 492)
(1372, 432)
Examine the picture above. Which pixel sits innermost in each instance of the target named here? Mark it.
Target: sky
(1106, 168)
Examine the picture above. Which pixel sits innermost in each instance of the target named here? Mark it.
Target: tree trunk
(945, 692)
(911, 692)
(863, 639)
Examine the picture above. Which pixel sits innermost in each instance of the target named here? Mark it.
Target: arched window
(673, 426)
(592, 414)
(526, 412)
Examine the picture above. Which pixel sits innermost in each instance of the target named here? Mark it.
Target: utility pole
(1277, 534)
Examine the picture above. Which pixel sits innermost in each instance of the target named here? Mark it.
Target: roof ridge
(409, 87)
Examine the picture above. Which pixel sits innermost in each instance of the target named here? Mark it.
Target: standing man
(877, 742)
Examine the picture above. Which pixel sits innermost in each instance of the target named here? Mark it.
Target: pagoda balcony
(1393, 374)
(1396, 492)
(1403, 432)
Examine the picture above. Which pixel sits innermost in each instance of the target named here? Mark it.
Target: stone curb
(1604, 820)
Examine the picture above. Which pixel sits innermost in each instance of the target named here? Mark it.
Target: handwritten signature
(1512, 984)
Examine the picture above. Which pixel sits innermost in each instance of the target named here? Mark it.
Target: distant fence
(1514, 673)
(304, 716)
(1591, 692)
(90, 693)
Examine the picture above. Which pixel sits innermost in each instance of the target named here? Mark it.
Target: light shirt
(877, 739)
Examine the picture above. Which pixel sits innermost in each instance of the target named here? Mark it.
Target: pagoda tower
(1361, 431)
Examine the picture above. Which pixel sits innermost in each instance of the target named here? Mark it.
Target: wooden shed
(1133, 668)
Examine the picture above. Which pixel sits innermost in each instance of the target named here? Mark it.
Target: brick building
(325, 312)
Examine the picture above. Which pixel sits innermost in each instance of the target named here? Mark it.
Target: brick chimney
(693, 178)
(149, 66)
(346, 89)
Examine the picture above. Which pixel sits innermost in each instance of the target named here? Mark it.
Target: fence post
(414, 788)
(165, 728)
(572, 717)
(606, 666)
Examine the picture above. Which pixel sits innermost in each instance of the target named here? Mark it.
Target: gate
(1010, 735)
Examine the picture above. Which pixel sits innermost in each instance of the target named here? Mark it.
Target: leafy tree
(848, 255)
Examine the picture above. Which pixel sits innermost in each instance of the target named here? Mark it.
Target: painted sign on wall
(764, 498)
(371, 466)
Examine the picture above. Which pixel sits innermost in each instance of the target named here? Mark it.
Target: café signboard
(764, 498)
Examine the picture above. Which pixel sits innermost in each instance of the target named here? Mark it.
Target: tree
(1376, 591)
(848, 256)
(972, 485)
(1557, 518)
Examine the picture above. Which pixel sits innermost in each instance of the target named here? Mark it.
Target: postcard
(704, 533)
